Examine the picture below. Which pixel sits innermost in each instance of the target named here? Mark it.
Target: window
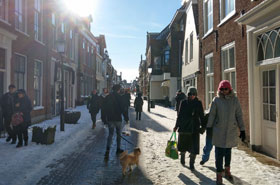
(53, 25)
(157, 63)
(191, 47)
(228, 64)
(269, 95)
(208, 15)
(209, 79)
(4, 6)
(20, 70)
(227, 8)
(166, 57)
(20, 18)
(71, 45)
(37, 83)
(38, 20)
(268, 45)
(62, 28)
(187, 52)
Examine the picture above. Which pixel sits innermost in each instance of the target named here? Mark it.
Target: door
(269, 118)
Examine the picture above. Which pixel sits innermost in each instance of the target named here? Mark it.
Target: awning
(165, 83)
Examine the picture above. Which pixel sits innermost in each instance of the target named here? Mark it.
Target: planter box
(71, 117)
(44, 137)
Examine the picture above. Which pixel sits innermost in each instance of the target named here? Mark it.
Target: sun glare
(81, 7)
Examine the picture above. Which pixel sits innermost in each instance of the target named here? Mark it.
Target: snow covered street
(77, 155)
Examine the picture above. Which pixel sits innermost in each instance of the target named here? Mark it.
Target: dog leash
(126, 140)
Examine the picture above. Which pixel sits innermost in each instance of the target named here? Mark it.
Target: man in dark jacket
(114, 107)
(179, 97)
(24, 106)
(7, 103)
(93, 105)
(104, 94)
(126, 98)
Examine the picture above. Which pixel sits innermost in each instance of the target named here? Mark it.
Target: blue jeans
(207, 149)
(111, 126)
(220, 154)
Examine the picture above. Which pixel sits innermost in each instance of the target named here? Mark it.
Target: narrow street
(82, 162)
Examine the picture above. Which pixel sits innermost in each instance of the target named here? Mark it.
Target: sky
(125, 24)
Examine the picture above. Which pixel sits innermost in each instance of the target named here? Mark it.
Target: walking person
(190, 122)
(138, 104)
(103, 96)
(179, 97)
(7, 104)
(208, 144)
(126, 98)
(23, 105)
(114, 110)
(225, 118)
(93, 105)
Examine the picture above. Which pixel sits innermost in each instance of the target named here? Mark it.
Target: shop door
(269, 116)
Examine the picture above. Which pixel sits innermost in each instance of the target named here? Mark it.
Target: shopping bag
(126, 129)
(171, 148)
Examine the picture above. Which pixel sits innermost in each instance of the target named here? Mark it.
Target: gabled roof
(164, 33)
(179, 13)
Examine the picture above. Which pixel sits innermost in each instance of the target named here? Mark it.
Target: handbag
(17, 119)
(171, 148)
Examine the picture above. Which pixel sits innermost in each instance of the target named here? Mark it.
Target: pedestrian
(7, 103)
(225, 118)
(104, 94)
(138, 104)
(190, 122)
(208, 143)
(114, 107)
(93, 106)
(179, 97)
(23, 105)
(126, 96)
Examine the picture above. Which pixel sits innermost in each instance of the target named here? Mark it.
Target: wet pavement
(88, 166)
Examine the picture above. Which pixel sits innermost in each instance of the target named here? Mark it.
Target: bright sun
(82, 7)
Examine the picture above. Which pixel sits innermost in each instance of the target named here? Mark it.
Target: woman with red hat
(225, 118)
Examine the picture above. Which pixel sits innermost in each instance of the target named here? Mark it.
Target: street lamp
(107, 77)
(60, 46)
(149, 73)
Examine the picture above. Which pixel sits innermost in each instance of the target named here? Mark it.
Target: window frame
(38, 20)
(25, 70)
(208, 76)
(187, 51)
(5, 19)
(191, 47)
(223, 15)
(206, 15)
(21, 13)
(41, 84)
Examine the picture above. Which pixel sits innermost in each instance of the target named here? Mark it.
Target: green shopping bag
(171, 149)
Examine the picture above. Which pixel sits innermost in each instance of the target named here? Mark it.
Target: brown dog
(127, 160)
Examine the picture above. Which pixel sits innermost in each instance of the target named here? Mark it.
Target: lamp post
(149, 89)
(61, 51)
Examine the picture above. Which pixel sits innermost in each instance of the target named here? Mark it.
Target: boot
(192, 160)
(182, 158)
(219, 180)
(228, 174)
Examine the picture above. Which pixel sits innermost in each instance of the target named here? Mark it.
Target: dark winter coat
(190, 109)
(179, 97)
(93, 104)
(126, 98)
(7, 103)
(25, 107)
(102, 107)
(138, 104)
(114, 107)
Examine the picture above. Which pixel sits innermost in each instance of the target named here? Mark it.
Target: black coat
(190, 109)
(115, 107)
(93, 104)
(138, 104)
(102, 107)
(25, 107)
(1, 118)
(179, 98)
(8, 103)
(126, 98)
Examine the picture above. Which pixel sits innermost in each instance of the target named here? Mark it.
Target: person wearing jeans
(208, 147)
(225, 118)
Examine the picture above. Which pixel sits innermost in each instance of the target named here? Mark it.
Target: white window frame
(207, 81)
(38, 11)
(21, 12)
(223, 16)
(187, 51)
(6, 15)
(25, 73)
(206, 14)
(41, 83)
(191, 47)
(229, 69)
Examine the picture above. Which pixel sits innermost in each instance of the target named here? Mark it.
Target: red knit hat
(225, 84)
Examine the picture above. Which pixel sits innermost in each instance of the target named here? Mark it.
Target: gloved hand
(242, 135)
(202, 130)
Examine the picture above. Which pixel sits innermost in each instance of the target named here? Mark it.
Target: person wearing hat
(7, 104)
(225, 118)
(179, 97)
(190, 122)
(24, 106)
